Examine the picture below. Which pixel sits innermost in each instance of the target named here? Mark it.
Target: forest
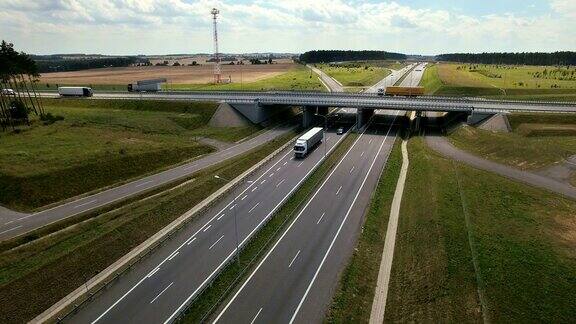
(341, 56)
(535, 58)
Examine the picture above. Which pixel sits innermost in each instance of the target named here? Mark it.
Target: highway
(160, 286)
(329, 82)
(13, 224)
(413, 79)
(295, 280)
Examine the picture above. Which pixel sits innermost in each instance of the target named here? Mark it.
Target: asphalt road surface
(159, 287)
(332, 84)
(413, 79)
(14, 224)
(441, 145)
(295, 281)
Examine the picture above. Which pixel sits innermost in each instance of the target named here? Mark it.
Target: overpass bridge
(257, 105)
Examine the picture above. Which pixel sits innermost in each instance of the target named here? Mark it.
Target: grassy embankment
(501, 81)
(536, 141)
(36, 275)
(522, 239)
(298, 78)
(357, 75)
(100, 143)
(352, 301)
(233, 274)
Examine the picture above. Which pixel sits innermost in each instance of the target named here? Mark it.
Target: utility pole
(217, 71)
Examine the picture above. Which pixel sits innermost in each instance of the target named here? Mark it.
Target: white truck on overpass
(305, 143)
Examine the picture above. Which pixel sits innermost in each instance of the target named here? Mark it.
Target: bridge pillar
(415, 120)
(363, 115)
(477, 118)
(308, 116)
(323, 111)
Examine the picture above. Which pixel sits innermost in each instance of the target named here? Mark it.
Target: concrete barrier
(83, 294)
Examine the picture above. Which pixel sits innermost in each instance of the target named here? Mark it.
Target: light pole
(235, 218)
(325, 130)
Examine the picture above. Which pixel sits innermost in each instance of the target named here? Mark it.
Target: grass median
(465, 231)
(36, 275)
(233, 274)
(352, 301)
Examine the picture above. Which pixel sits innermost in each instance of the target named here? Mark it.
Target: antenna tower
(217, 72)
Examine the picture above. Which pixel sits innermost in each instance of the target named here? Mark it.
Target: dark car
(340, 131)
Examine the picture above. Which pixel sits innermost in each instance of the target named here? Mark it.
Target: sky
(127, 27)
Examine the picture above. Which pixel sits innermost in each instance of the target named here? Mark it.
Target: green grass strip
(233, 274)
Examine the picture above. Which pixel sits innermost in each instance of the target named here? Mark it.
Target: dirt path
(381, 294)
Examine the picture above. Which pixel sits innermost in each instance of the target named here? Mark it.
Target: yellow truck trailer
(402, 91)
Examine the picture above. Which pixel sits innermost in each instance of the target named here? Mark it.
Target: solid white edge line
(341, 224)
(285, 232)
(251, 233)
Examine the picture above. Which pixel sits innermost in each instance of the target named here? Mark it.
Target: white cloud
(161, 26)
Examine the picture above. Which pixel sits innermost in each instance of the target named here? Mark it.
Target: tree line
(535, 58)
(18, 76)
(340, 56)
(65, 64)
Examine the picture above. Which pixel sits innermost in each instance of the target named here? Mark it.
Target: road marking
(361, 155)
(279, 183)
(219, 217)
(271, 174)
(6, 231)
(277, 242)
(292, 159)
(278, 169)
(337, 192)
(300, 164)
(251, 209)
(211, 246)
(173, 255)
(370, 141)
(190, 241)
(143, 183)
(232, 207)
(190, 167)
(233, 252)
(207, 227)
(294, 259)
(263, 181)
(244, 197)
(86, 203)
(320, 219)
(285, 163)
(254, 189)
(352, 169)
(162, 292)
(255, 317)
(10, 222)
(341, 225)
(153, 272)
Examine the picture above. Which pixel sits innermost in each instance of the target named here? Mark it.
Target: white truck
(75, 91)
(305, 143)
(153, 85)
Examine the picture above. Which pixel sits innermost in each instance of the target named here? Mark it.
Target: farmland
(501, 81)
(100, 143)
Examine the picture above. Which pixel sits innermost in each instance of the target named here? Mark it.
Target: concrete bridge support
(476, 118)
(323, 111)
(415, 118)
(363, 116)
(308, 113)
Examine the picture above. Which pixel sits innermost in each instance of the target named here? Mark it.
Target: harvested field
(200, 74)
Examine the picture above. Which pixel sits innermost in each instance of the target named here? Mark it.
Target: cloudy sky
(184, 26)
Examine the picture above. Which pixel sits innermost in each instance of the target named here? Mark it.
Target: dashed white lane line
(244, 197)
(255, 317)
(86, 203)
(10, 222)
(337, 192)
(190, 167)
(263, 181)
(370, 141)
(294, 259)
(164, 290)
(254, 189)
(251, 209)
(285, 163)
(207, 227)
(232, 207)
(219, 217)
(173, 255)
(143, 183)
(351, 169)
(299, 164)
(278, 169)
(271, 174)
(211, 246)
(279, 183)
(320, 219)
(13, 228)
(361, 155)
(152, 272)
(191, 240)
